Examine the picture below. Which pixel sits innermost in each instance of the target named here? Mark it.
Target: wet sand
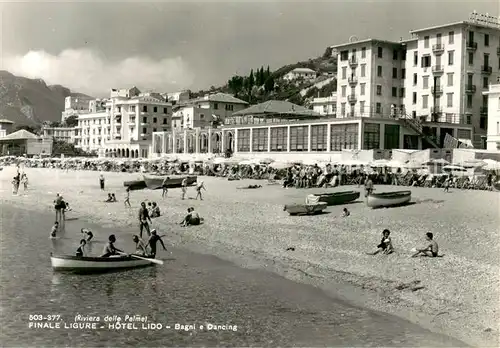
(459, 293)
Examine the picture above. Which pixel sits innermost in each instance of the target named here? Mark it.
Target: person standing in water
(144, 218)
(80, 252)
(88, 234)
(140, 248)
(200, 186)
(152, 243)
(164, 186)
(55, 228)
(59, 205)
(127, 197)
(101, 181)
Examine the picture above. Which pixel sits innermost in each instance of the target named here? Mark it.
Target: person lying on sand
(191, 219)
(110, 198)
(432, 248)
(385, 245)
(88, 234)
(345, 213)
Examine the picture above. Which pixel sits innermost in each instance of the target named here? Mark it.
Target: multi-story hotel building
(74, 106)
(326, 106)
(433, 80)
(66, 134)
(493, 136)
(93, 131)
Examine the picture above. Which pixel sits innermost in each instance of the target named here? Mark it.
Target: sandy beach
(459, 294)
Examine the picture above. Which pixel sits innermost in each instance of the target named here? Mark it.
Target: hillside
(30, 101)
(262, 84)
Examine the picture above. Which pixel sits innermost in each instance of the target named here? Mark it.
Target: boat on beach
(77, 264)
(388, 199)
(154, 182)
(333, 198)
(135, 184)
(305, 209)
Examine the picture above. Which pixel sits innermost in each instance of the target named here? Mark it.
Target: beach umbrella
(310, 162)
(473, 163)
(452, 167)
(352, 162)
(266, 160)
(245, 163)
(491, 165)
(380, 163)
(436, 161)
(218, 160)
(281, 165)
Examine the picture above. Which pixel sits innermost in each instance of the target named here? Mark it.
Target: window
(403, 74)
(450, 57)
(319, 137)
(144, 130)
(362, 87)
(154, 129)
(343, 90)
(144, 119)
(450, 79)
(132, 108)
(216, 106)
(229, 107)
(155, 120)
(379, 90)
(363, 70)
(394, 55)
(155, 109)
(371, 139)
(344, 72)
(394, 73)
(485, 82)
(403, 55)
(344, 55)
(415, 58)
(486, 40)
(415, 79)
(438, 38)
(394, 92)
(425, 82)
(380, 52)
(243, 140)
(342, 109)
(279, 137)
(402, 93)
(469, 101)
(391, 138)
(426, 42)
(259, 140)
(426, 61)
(299, 138)
(449, 100)
(379, 71)
(425, 101)
(363, 52)
(414, 99)
(482, 122)
(344, 137)
(471, 58)
(378, 108)
(164, 120)
(451, 37)
(361, 107)
(144, 108)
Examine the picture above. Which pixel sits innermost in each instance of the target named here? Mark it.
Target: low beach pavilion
(23, 142)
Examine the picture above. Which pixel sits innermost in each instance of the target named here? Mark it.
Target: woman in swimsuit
(385, 245)
(80, 252)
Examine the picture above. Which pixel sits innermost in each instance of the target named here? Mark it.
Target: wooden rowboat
(305, 209)
(388, 199)
(155, 182)
(78, 264)
(135, 184)
(334, 198)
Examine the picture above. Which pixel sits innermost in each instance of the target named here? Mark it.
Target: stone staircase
(416, 126)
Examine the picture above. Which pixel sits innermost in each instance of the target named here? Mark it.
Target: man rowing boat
(110, 249)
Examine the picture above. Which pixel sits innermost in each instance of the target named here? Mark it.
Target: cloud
(85, 71)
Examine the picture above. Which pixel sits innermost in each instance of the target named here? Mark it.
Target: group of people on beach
(431, 248)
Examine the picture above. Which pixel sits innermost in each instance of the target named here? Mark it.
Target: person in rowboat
(80, 252)
(110, 249)
(54, 230)
(88, 234)
(200, 186)
(164, 187)
(140, 248)
(152, 243)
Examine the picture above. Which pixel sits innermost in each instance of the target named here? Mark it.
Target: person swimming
(80, 252)
(88, 234)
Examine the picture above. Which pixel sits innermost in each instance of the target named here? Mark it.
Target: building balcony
(353, 80)
(471, 45)
(469, 89)
(438, 48)
(131, 123)
(436, 109)
(351, 98)
(487, 70)
(353, 62)
(437, 90)
(132, 112)
(117, 136)
(143, 135)
(438, 69)
(144, 124)
(483, 110)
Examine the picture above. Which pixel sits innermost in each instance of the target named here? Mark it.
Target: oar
(159, 262)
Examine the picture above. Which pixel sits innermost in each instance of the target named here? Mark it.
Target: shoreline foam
(251, 230)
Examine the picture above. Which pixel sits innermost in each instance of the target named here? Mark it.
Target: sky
(168, 46)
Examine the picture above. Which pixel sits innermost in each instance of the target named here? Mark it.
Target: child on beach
(101, 181)
(385, 245)
(432, 248)
(80, 252)
(127, 197)
(184, 188)
(446, 185)
(200, 186)
(53, 232)
(164, 187)
(345, 213)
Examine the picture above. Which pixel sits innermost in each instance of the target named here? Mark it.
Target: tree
(54, 124)
(71, 121)
(269, 84)
(63, 148)
(251, 81)
(235, 84)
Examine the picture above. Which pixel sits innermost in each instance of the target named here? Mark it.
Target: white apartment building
(297, 73)
(93, 131)
(493, 134)
(326, 106)
(219, 105)
(66, 134)
(370, 75)
(73, 106)
(435, 78)
(177, 97)
(191, 116)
